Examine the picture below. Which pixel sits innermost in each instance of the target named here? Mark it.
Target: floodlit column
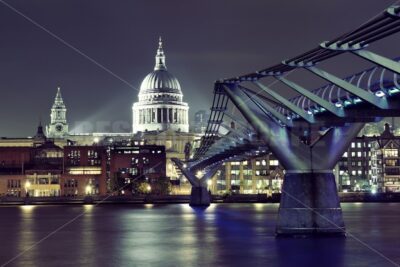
(175, 115)
(149, 115)
(167, 114)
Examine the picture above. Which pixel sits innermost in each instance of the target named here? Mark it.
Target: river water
(177, 235)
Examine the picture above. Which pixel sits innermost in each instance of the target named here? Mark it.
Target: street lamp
(88, 189)
(27, 186)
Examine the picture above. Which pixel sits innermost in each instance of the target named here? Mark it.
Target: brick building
(45, 169)
(132, 165)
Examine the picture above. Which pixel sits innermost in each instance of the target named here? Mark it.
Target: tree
(143, 188)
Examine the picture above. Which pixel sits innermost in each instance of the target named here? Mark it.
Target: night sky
(203, 41)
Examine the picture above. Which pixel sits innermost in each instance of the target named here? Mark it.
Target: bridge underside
(310, 132)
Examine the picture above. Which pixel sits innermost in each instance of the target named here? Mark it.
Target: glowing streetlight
(148, 188)
(27, 186)
(88, 189)
(209, 182)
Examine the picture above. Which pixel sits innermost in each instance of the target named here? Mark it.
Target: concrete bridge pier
(309, 200)
(310, 205)
(200, 196)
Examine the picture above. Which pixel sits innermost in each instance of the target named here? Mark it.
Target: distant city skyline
(204, 40)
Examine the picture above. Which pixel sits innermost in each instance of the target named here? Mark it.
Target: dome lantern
(160, 57)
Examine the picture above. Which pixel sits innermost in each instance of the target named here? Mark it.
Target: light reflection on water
(26, 234)
(178, 235)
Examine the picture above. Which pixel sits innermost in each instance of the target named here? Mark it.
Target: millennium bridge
(308, 132)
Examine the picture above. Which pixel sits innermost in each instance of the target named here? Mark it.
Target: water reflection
(178, 235)
(27, 209)
(324, 251)
(87, 236)
(26, 236)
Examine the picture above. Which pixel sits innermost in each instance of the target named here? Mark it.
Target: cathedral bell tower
(58, 126)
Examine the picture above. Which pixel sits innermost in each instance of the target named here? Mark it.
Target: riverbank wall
(176, 199)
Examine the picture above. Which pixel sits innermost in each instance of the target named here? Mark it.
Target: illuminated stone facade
(160, 106)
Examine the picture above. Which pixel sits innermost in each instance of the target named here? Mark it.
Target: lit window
(264, 162)
(359, 154)
(353, 172)
(257, 163)
(353, 145)
(353, 154)
(345, 154)
(359, 145)
(273, 162)
(359, 172)
(390, 153)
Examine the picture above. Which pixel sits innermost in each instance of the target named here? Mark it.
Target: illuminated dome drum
(160, 106)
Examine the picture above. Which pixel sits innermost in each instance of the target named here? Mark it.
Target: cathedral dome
(160, 106)
(160, 81)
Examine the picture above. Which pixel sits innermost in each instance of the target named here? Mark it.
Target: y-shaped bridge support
(199, 195)
(309, 202)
